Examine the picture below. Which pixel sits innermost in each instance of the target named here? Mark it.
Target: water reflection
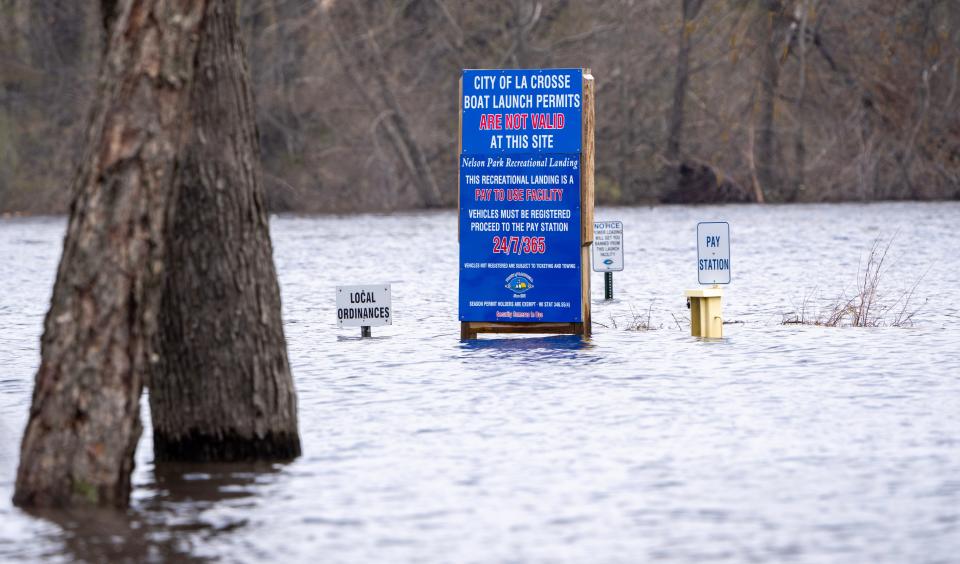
(513, 344)
(109, 535)
(175, 483)
(170, 517)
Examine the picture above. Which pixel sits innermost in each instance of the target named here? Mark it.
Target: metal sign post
(608, 285)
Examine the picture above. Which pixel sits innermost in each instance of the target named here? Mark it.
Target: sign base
(706, 312)
(470, 329)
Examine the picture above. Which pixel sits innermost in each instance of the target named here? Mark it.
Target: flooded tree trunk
(222, 390)
(84, 418)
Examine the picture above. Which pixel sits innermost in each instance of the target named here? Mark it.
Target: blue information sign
(520, 256)
(520, 238)
(522, 111)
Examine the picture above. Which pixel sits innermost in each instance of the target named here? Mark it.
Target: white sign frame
(720, 252)
(610, 228)
(381, 295)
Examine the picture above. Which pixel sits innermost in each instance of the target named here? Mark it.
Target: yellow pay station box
(706, 312)
(713, 267)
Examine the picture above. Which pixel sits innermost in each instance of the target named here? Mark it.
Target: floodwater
(779, 443)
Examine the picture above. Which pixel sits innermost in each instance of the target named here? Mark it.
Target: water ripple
(778, 443)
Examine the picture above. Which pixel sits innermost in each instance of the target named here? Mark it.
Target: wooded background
(697, 100)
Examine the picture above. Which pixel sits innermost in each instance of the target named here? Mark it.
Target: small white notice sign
(366, 305)
(713, 252)
(607, 248)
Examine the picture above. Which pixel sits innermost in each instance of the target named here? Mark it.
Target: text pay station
(607, 246)
(713, 252)
(365, 305)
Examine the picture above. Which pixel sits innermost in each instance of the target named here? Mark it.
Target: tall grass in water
(865, 308)
(638, 321)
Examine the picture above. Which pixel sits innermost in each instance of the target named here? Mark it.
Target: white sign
(607, 246)
(365, 305)
(713, 252)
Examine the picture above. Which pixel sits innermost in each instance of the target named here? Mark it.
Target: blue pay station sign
(522, 111)
(520, 195)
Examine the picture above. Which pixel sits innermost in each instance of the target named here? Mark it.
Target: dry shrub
(638, 321)
(865, 308)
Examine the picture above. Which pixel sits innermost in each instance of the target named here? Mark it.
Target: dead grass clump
(865, 308)
(638, 321)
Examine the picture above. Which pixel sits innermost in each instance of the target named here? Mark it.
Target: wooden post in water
(587, 197)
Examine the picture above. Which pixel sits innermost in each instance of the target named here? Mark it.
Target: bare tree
(806, 100)
(767, 149)
(382, 99)
(689, 10)
(799, 143)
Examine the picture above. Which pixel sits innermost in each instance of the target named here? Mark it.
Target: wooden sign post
(526, 199)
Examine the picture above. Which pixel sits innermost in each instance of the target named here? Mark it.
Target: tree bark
(799, 143)
(681, 80)
(84, 419)
(407, 146)
(627, 103)
(402, 139)
(222, 390)
(767, 157)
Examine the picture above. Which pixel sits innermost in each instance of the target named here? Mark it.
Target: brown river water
(779, 443)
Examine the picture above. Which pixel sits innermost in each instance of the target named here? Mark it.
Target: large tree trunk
(222, 389)
(84, 419)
